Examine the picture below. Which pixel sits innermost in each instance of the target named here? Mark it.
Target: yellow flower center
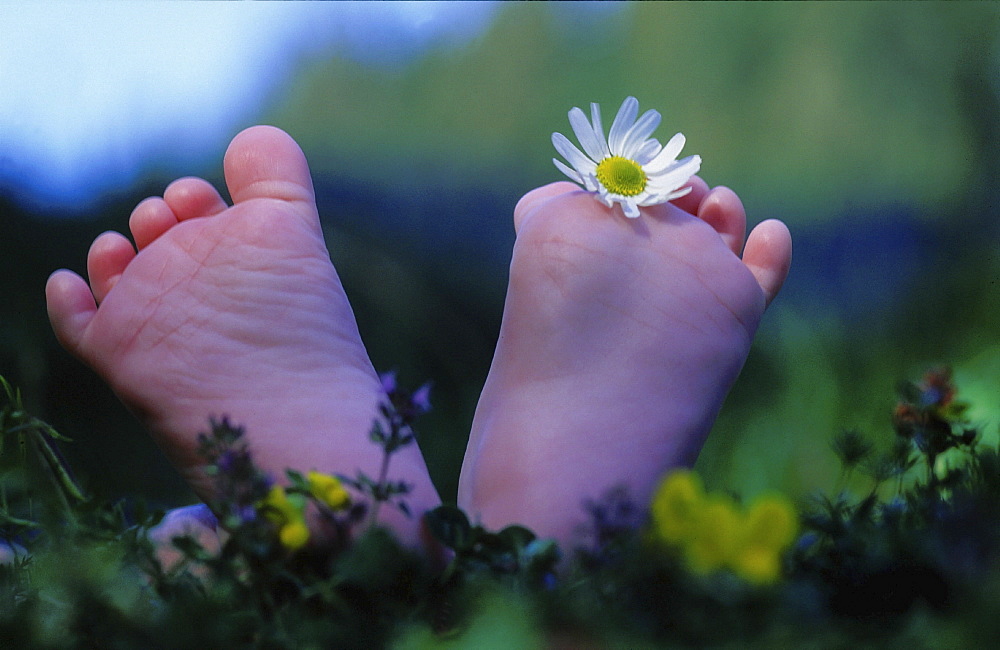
(621, 176)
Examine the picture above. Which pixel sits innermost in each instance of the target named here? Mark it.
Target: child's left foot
(619, 342)
(235, 310)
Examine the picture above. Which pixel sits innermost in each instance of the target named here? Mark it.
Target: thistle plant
(895, 548)
(250, 498)
(392, 430)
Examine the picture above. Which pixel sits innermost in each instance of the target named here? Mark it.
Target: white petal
(674, 177)
(667, 155)
(637, 135)
(572, 155)
(585, 134)
(572, 173)
(654, 199)
(595, 117)
(676, 194)
(630, 208)
(649, 149)
(623, 122)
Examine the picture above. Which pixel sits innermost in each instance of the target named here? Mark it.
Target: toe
(265, 162)
(537, 196)
(71, 307)
(109, 255)
(724, 211)
(690, 201)
(190, 198)
(768, 255)
(150, 219)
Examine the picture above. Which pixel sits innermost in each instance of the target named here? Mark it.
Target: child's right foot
(235, 311)
(619, 342)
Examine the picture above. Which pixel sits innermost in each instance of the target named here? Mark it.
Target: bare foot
(234, 311)
(619, 342)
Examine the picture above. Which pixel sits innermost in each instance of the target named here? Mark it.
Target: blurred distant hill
(809, 109)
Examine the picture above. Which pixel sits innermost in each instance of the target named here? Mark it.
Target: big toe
(264, 162)
(768, 255)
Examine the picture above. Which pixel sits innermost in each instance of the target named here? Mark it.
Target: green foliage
(914, 559)
(28, 432)
(513, 553)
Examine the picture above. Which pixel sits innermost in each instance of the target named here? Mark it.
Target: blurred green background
(871, 129)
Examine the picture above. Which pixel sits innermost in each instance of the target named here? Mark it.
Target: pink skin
(235, 310)
(619, 342)
(624, 330)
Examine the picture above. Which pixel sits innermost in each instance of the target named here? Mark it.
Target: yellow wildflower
(716, 535)
(328, 490)
(676, 506)
(712, 532)
(768, 529)
(294, 534)
(287, 516)
(771, 522)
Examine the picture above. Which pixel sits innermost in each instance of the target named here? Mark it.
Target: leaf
(851, 447)
(297, 481)
(542, 554)
(16, 521)
(864, 511)
(398, 487)
(46, 428)
(59, 468)
(450, 526)
(909, 392)
(516, 537)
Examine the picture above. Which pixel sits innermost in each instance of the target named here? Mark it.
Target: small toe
(71, 307)
(768, 255)
(150, 219)
(190, 198)
(722, 209)
(109, 255)
(690, 201)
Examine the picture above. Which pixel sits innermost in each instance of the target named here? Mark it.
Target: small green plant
(913, 559)
(892, 550)
(392, 430)
(34, 437)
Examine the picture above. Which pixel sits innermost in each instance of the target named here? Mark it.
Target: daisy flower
(628, 167)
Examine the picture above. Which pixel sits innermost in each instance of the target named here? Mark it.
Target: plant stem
(380, 492)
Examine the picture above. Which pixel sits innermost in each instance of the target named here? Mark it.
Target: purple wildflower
(388, 380)
(422, 399)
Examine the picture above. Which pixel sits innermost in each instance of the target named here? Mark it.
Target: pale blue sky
(91, 92)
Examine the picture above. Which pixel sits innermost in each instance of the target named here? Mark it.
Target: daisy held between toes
(628, 167)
